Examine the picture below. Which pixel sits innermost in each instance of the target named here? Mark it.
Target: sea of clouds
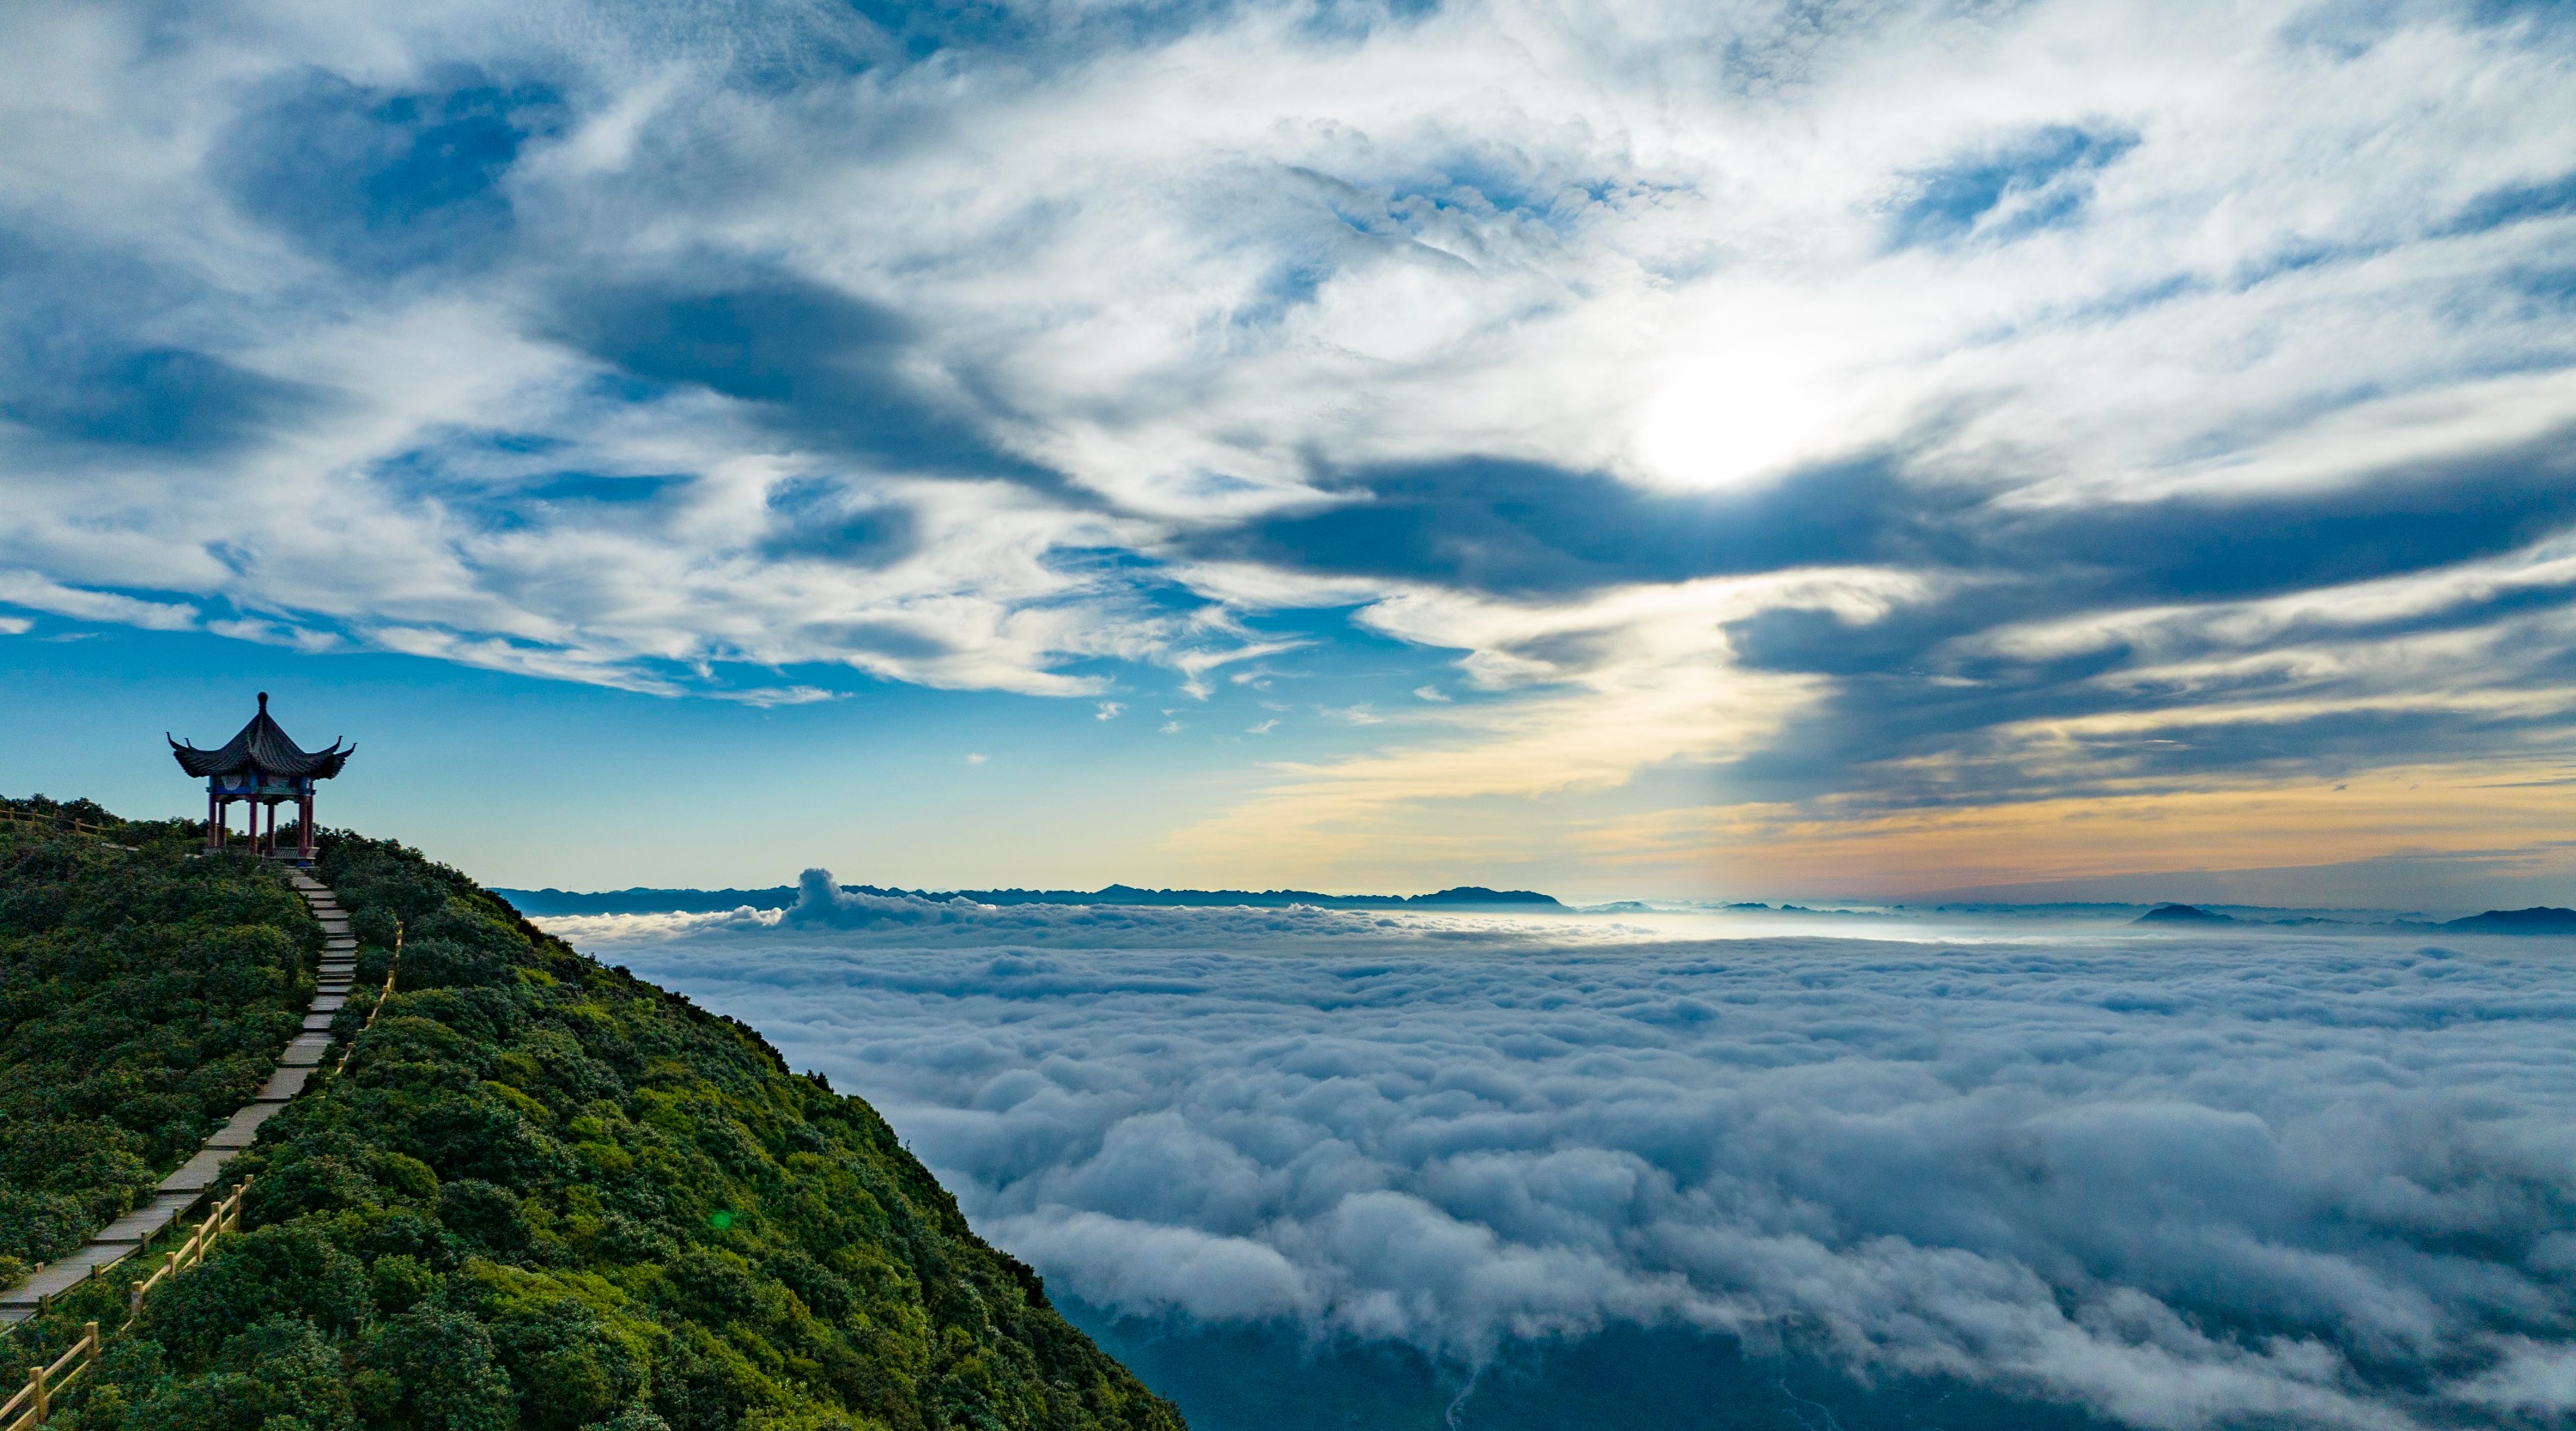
(2177, 1180)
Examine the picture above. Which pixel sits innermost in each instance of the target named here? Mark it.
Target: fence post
(44, 1398)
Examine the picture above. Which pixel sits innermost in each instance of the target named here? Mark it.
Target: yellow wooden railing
(225, 1218)
(34, 1403)
(378, 1007)
(54, 824)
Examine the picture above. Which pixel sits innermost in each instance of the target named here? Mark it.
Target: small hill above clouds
(2539, 919)
(2182, 914)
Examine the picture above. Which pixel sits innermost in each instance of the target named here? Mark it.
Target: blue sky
(1728, 449)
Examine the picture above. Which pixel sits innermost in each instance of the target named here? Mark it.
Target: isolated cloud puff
(2183, 1181)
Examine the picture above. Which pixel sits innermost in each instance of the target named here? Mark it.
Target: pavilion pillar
(304, 828)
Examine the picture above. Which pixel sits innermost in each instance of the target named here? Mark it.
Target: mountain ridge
(554, 903)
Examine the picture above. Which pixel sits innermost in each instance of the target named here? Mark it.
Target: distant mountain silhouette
(2539, 919)
(714, 901)
(2181, 914)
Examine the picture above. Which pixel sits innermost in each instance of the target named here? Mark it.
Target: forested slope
(143, 996)
(547, 1194)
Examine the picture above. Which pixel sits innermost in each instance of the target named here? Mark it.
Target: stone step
(243, 1129)
(186, 1186)
(285, 1083)
(200, 1172)
(58, 1277)
(146, 1222)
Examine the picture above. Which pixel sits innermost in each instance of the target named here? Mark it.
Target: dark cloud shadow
(383, 181)
(1525, 529)
(169, 399)
(825, 369)
(76, 368)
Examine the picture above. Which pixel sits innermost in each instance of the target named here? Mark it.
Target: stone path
(188, 1186)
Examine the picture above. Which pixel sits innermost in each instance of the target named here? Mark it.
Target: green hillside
(143, 996)
(547, 1194)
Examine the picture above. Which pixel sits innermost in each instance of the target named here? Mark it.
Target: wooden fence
(225, 1218)
(34, 1403)
(56, 825)
(374, 1009)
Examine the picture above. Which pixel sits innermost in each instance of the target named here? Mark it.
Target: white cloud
(2184, 1181)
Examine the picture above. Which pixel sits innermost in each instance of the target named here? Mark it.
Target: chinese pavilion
(261, 767)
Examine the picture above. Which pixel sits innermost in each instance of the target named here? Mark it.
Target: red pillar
(304, 828)
(211, 808)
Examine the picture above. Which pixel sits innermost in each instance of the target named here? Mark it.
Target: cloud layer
(2179, 1180)
(1902, 403)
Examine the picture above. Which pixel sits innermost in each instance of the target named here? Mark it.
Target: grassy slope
(550, 1195)
(143, 996)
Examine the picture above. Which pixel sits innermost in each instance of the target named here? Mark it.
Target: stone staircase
(198, 1176)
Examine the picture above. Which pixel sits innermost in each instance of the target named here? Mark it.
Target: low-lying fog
(1311, 1167)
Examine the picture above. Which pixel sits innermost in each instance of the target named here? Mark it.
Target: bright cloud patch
(2270, 1178)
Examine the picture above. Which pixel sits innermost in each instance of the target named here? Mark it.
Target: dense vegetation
(143, 997)
(549, 1195)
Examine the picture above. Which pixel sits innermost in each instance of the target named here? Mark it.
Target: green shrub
(144, 994)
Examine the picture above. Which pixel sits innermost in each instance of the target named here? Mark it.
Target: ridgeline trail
(193, 1180)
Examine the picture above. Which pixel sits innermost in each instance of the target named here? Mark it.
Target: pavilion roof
(262, 748)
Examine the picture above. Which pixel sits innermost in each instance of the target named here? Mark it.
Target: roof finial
(263, 700)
